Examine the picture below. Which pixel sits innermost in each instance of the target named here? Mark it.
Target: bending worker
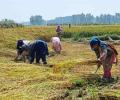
(106, 56)
(37, 49)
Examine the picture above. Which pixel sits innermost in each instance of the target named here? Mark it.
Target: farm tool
(91, 62)
(100, 65)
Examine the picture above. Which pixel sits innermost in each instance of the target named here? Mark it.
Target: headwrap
(95, 41)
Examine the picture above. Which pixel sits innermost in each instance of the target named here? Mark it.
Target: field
(68, 76)
(78, 33)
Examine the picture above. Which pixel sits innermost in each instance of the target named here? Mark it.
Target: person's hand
(116, 61)
(48, 54)
(99, 62)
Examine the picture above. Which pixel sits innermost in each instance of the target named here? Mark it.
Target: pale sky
(21, 10)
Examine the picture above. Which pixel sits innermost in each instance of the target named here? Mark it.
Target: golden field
(70, 75)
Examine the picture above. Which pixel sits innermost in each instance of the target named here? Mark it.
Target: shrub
(9, 24)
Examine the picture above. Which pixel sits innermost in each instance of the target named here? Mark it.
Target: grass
(80, 32)
(10, 36)
(70, 73)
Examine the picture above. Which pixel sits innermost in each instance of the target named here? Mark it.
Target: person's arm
(47, 51)
(52, 43)
(116, 59)
(98, 61)
(56, 29)
(103, 55)
(31, 57)
(31, 53)
(97, 54)
(102, 58)
(60, 46)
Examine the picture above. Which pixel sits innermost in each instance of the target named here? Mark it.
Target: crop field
(68, 76)
(77, 33)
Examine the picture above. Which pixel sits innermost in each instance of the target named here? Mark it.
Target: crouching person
(19, 45)
(37, 49)
(106, 56)
(56, 44)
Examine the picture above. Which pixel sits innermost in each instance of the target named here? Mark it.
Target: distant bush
(68, 34)
(115, 37)
(9, 24)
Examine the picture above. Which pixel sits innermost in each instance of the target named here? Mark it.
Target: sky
(21, 10)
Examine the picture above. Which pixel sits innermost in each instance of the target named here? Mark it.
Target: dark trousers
(43, 57)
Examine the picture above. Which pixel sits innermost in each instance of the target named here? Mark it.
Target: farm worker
(106, 56)
(38, 49)
(59, 31)
(19, 45)
(56, 44)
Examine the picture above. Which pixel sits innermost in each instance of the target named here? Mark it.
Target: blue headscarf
(94, 40)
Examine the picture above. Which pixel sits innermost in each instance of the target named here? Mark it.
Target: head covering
(20, 42)
(58, 26)
(94, 41)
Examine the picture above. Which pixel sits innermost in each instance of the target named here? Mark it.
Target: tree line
(6, 23)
